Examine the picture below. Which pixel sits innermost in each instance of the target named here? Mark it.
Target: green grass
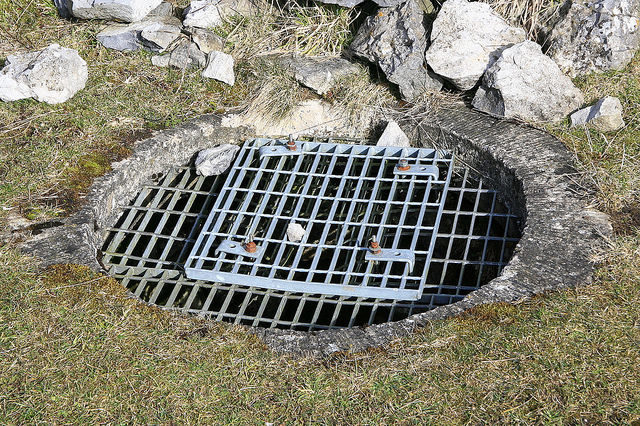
(75, 349)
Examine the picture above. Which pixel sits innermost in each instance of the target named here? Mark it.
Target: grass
(75, 349)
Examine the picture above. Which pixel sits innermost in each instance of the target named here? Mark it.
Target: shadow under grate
(147, 247)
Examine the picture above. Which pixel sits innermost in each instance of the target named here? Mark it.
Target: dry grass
(75, 349)
(293, 27)
(611, 161)
(532, 15)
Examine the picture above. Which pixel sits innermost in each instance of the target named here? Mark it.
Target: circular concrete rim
(530, 161)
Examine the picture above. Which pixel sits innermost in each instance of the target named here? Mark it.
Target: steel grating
(146, 248)
(345, 196)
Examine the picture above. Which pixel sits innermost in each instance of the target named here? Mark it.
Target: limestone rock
(352, 3)
(220, 67)
(123, 37)
(158, 36)
(202, 14)
(64, 8)
(596, 35)
(116, 10)
(295, 232)
(128, 37)
(393, 136)
(229, 8)
(206, 40)
(466, 39)
(396, 39)
(51, 75)
(215, 161)
(343, 3)
(605, 115)
(185, 55)
(319, 73)
(525, 84)
(165, 10)
(388, 3)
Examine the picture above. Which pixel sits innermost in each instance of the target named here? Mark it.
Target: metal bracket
(419, 170)
(234, 247)
(393, 255)
(279, 150)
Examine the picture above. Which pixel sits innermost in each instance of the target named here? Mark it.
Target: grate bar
(327, 261)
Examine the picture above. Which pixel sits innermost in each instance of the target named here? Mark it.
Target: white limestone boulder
(114, 10)
(393, 136)
(202, 14)
(605, 115)
(596, 35)
(319, 73)
(158, 36)
(220, 67)
(527, 85)
(215, 161)
(466, 38)
(52, 75)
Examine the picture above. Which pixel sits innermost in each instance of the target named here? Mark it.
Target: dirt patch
(626, 221)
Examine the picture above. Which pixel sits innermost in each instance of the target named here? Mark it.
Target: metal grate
(152, 239)
(345, 196)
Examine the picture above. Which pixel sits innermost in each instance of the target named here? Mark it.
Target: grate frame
(270, 185)
(473, 217)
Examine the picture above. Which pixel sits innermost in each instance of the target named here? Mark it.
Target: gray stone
(128, 37)
(163, 11)
(202, 14)
(161, 60)
(343, 3)
(393, 136)
(466, 39)
(388, 3)
(319, 73)
(220, 67)
(206, 40)
(123, 37)
(115, 10)
(215, 161)
(605, 115)
(525, 84)
(51, 75)
(185, 55)
(64, 8)
(229, 8)
(295, 232)
(157, 37)
(596, 35)
(396, 39)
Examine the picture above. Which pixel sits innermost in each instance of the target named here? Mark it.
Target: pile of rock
(181, 40)
(469, 45)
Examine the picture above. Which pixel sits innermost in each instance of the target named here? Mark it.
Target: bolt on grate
(151, 241)
(344, 195)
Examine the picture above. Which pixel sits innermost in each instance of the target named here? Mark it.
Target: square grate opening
(345, 196)
(148, 246)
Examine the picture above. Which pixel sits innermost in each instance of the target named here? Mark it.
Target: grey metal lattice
(146, 248)
(344, 195)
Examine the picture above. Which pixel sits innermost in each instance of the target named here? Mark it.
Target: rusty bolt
(403, 165)
(374, 246)
(291, 144)
(250, 246)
